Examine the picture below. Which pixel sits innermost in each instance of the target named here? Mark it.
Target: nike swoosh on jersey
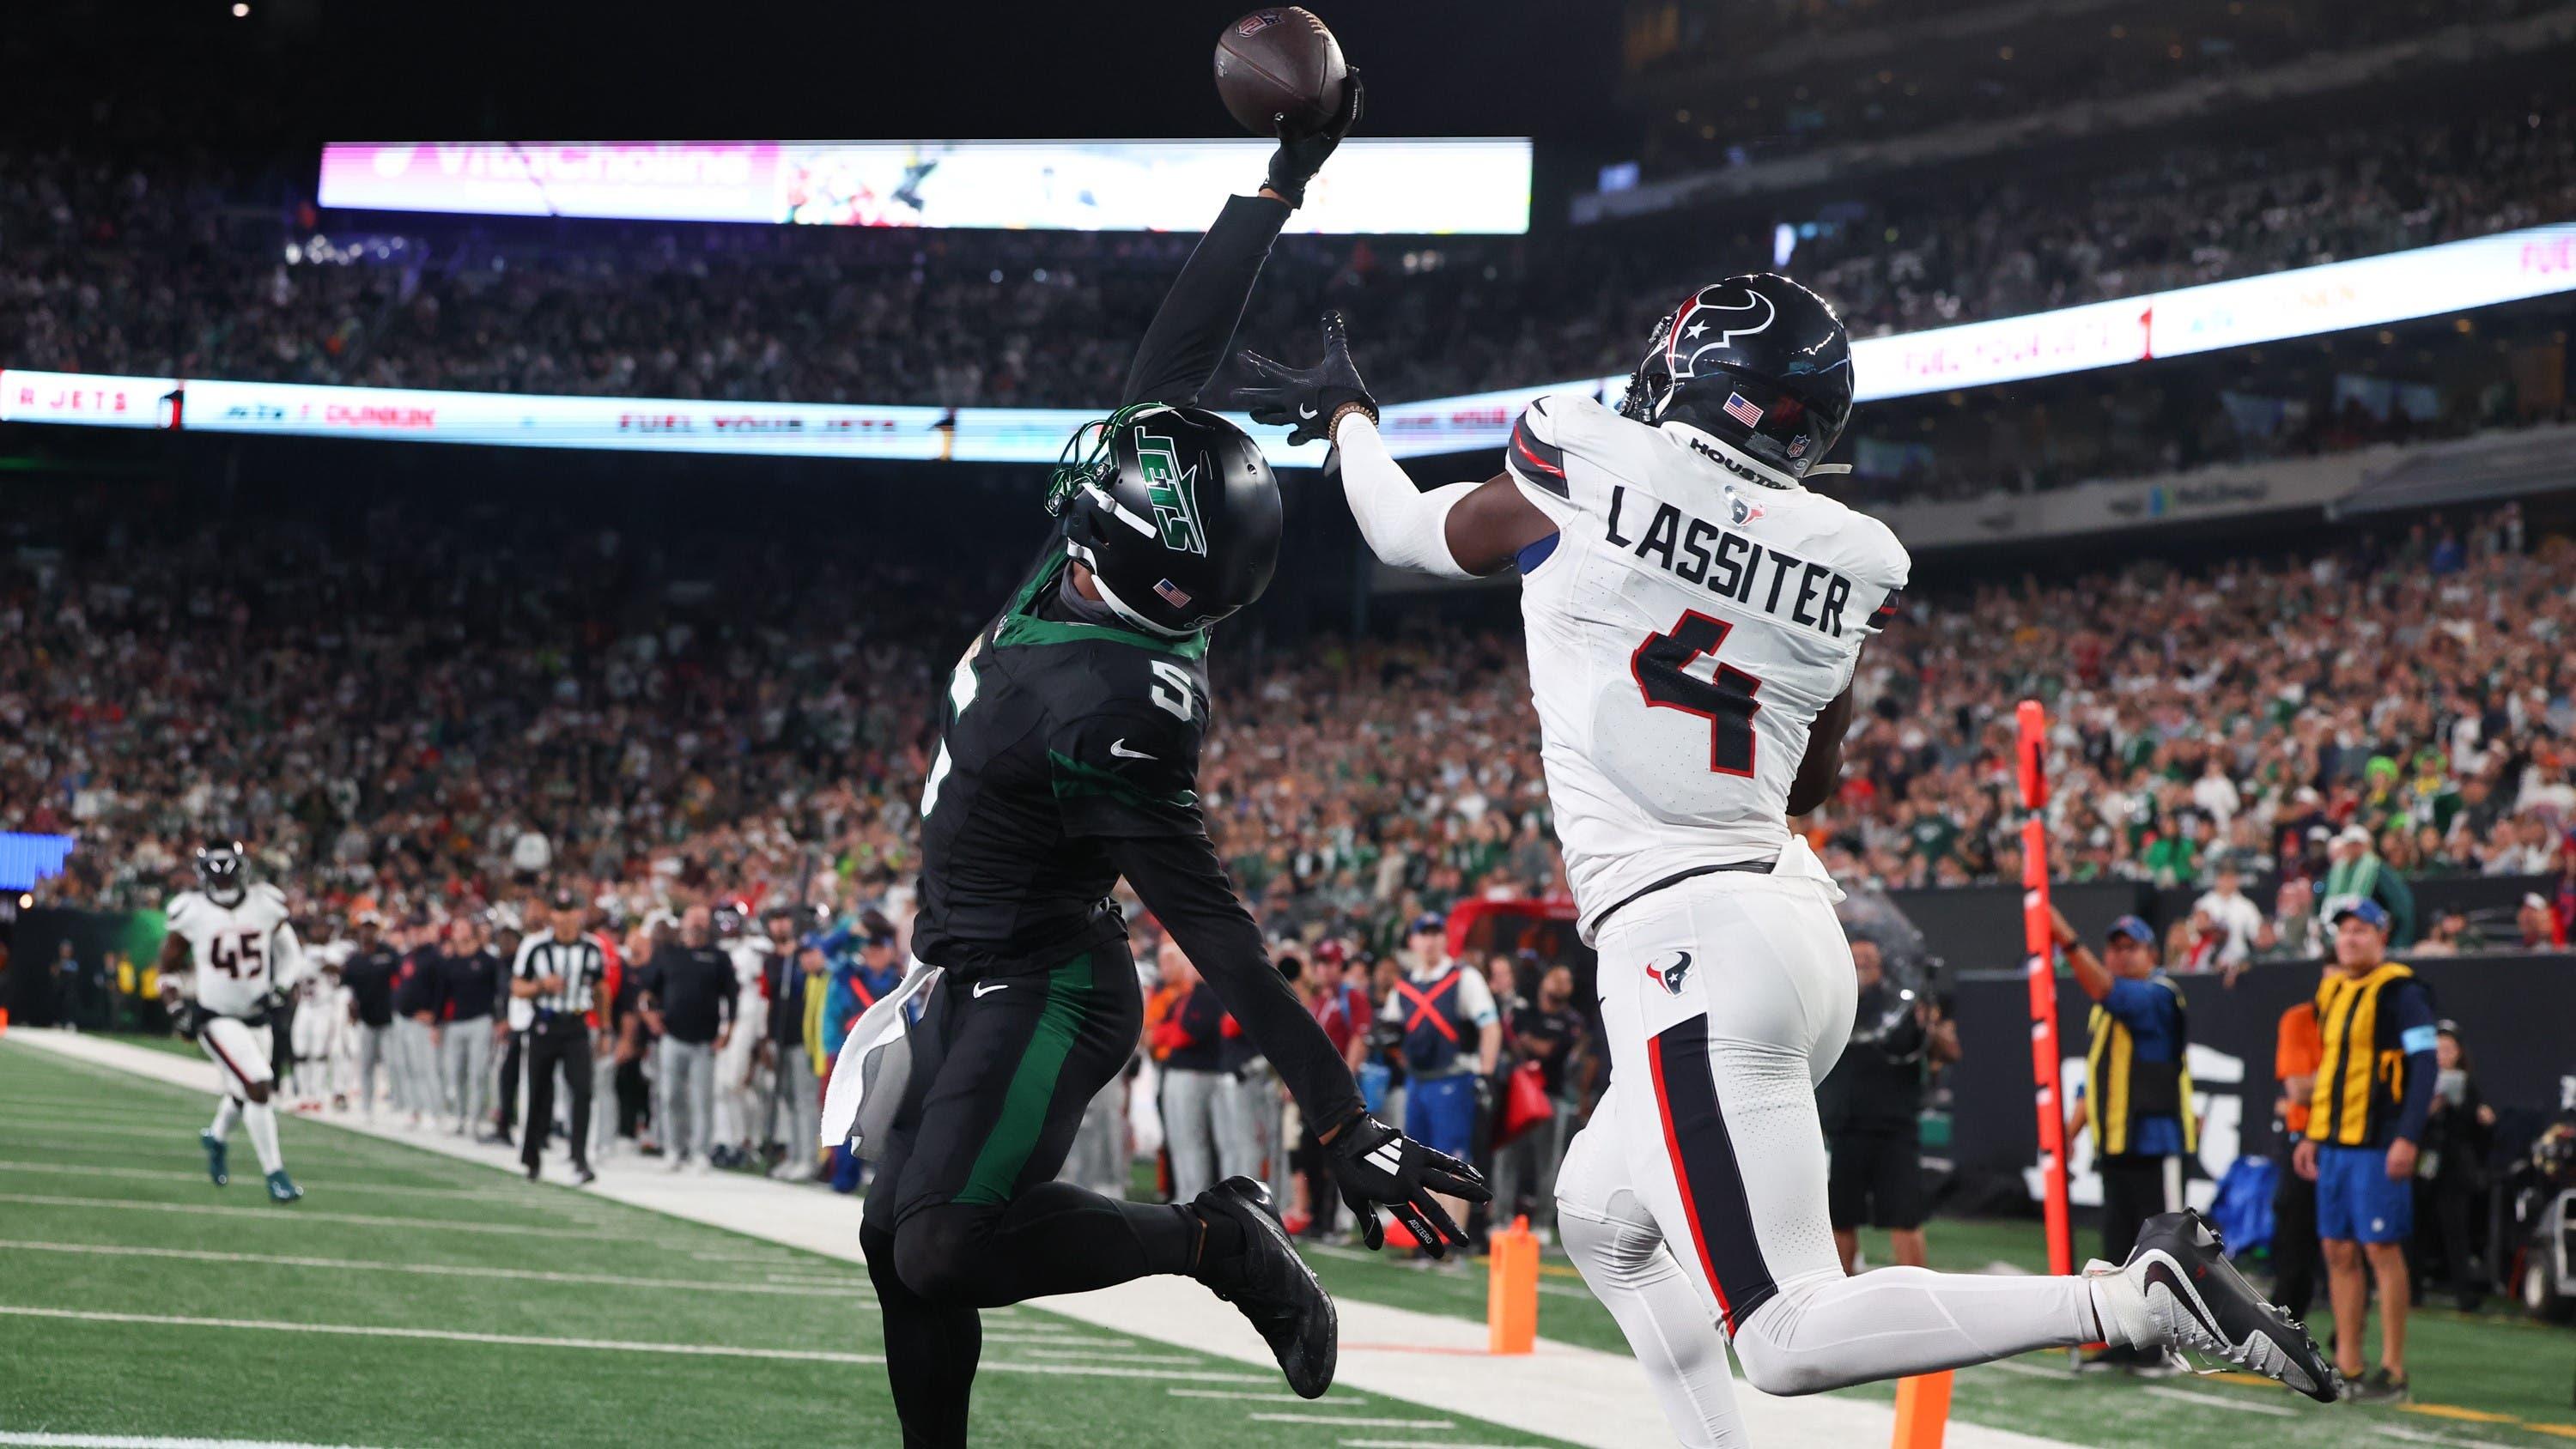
(1119, 748)
(983, 986)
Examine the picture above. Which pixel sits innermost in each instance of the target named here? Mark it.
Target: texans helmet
(1757, 365)
(1174, 510)
(219, 869)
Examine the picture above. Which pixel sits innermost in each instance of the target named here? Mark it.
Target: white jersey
(1685, 628)
(238, 952)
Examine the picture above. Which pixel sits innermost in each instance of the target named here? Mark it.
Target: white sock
(227, 1112)
(2120, 1311)
(262, 1121)
(1828, 1331)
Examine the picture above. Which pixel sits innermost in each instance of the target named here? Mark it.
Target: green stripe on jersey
(996, 1173)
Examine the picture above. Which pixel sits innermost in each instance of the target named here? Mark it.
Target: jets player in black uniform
(1068, 758)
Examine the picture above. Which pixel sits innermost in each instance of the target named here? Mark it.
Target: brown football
(1279, 66)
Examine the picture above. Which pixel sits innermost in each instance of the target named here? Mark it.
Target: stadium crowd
(180, 269)
(414, 721)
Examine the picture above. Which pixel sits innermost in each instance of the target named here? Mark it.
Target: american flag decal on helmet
(1743, 411)
(1173, 594)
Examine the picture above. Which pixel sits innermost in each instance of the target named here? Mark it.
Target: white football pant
(1695, 1197)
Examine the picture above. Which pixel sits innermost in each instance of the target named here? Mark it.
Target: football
(1279, 67)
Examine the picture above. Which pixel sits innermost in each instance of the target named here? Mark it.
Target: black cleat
(2179, 1291)
(1273, 1287)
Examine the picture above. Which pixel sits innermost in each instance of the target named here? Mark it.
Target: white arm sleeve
(1403, 525)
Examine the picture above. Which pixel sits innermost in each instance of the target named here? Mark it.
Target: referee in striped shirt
(557, 974)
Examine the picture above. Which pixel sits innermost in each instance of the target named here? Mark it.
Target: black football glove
(1379, 1167)
(1306, 398)
(1302, 150)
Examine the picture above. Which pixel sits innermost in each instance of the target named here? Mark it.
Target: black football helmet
(1175, 511)
(219, 870)
(1756, 363)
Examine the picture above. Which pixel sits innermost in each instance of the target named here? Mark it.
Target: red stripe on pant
(1706, 1171)
(243, 1078)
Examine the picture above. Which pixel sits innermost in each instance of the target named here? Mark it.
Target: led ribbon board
(2371, 291)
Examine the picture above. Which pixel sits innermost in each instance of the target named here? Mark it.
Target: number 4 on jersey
(1662, 666)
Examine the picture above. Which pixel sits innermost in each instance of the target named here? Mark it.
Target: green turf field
(413, 1299)
(2490, 1379)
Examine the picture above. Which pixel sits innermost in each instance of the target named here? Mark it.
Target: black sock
(1223, 1240)
(1053, 1238)
(931, 1351)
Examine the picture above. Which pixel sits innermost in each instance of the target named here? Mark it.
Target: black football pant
(557, 1043)
(506, 1114)
(2133, 1190)
(965, 1213)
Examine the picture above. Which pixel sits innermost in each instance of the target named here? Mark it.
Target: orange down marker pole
(1922, 1410)
(1511, 1290)
(2041, 967)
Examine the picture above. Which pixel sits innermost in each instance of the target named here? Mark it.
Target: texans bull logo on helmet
(1669, 969)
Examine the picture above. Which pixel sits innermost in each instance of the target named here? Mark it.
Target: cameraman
(1872, 1104)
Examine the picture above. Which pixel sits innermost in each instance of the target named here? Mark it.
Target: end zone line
(606, 1345)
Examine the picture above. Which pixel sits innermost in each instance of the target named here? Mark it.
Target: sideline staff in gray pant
(417, 1000)
(369, 975)
(1193, 1039)
(470, 979)
(687, 992)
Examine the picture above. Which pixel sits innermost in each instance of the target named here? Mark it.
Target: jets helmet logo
(1173, 490)
(1669, 969)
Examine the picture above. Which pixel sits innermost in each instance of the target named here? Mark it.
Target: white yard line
(131, 1441)
(1581, 1396)
(433, 1270)
(1112, 1355)
(1418, 1444)
(1348, 1422)
(1256, 1396)
(598, 1345)
(2217, 1401)
(151, 1174)
(279, 1213)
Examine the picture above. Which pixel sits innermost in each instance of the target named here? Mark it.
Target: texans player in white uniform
(230, 940)
(1695, 615)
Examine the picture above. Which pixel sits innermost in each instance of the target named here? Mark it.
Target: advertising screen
(1373, 186)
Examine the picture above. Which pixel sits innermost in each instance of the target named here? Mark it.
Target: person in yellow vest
(2137, 1091)
(2374, 1089)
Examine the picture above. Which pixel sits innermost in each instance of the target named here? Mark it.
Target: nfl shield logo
(1257, 22)
(1797, 447)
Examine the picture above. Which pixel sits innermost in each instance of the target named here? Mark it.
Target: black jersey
(1057, 736)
